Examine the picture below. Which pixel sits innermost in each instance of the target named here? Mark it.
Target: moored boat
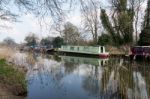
(85, 50)
(140, 52)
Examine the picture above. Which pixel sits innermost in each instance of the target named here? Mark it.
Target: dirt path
(6, 94)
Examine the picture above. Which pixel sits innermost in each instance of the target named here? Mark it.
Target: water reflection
(65, 77)
(84, 60)
(140, 86)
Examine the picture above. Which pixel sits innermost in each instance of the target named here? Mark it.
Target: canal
(68, 77)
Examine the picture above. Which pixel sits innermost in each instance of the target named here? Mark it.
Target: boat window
(146, 50)
(64, 47)
(72, 48)
(86, 47)
(101, 49)
(78, 48)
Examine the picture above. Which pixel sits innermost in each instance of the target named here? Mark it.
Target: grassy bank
(12, 79)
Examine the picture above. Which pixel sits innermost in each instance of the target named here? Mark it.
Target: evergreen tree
(57, 42)
(120, 24)
(104, 39)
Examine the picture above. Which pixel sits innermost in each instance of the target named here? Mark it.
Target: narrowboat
(140, 52)
(98, 51)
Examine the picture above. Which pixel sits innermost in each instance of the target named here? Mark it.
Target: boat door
(102, 49)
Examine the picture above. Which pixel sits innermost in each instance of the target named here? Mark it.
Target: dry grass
(123, 50)
(30, 59)
(6, 52)
(12, 78)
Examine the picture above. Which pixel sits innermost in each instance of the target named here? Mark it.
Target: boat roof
(83, 46)
(140, 46)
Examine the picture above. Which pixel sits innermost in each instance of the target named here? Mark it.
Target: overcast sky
(30, 24)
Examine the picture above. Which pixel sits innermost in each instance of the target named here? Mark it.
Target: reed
(117, 50)
(30, 59)
(6, 52)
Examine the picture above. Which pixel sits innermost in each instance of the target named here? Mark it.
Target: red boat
(140, 51)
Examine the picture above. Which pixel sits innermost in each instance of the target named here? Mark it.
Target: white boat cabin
(84, 49)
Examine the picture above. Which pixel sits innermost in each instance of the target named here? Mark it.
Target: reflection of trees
(116, 79)
(119, 76)
(32, 58)
(46, 72)
(139, 86)
(91, 82)
(69, 67)
(57, 58)
(142, 80)
(106, 81)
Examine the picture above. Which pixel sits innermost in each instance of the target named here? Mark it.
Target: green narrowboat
(86, 50)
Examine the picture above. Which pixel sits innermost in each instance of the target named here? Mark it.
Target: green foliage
(144, 37)
(125, 27)
(122, 5)
(107, 25)
(31, 40)
(46, 41)
(104, 39)
(120, 28)
(57, 42)
(11, 76)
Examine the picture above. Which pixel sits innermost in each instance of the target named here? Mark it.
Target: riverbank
(118, 51)
(12, 79)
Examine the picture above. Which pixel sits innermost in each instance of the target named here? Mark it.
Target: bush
(104, 39)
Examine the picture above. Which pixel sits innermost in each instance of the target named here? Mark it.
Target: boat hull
(102, 55)
(140, 57)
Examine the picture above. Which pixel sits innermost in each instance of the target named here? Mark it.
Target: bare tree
(59, 26)
(71, 34)
(41, 8)
(9, 41)
(136, 6)
(5, 13)
(90, 12)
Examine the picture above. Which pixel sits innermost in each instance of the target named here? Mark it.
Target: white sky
(30, 24)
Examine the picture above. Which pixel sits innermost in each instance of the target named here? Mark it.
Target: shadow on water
(67, 77)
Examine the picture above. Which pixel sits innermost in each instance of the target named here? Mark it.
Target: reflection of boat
(85, 50)
(84, 60)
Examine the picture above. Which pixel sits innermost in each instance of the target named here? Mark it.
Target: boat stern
(104, 55)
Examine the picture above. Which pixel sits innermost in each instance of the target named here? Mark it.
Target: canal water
(68, 77)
